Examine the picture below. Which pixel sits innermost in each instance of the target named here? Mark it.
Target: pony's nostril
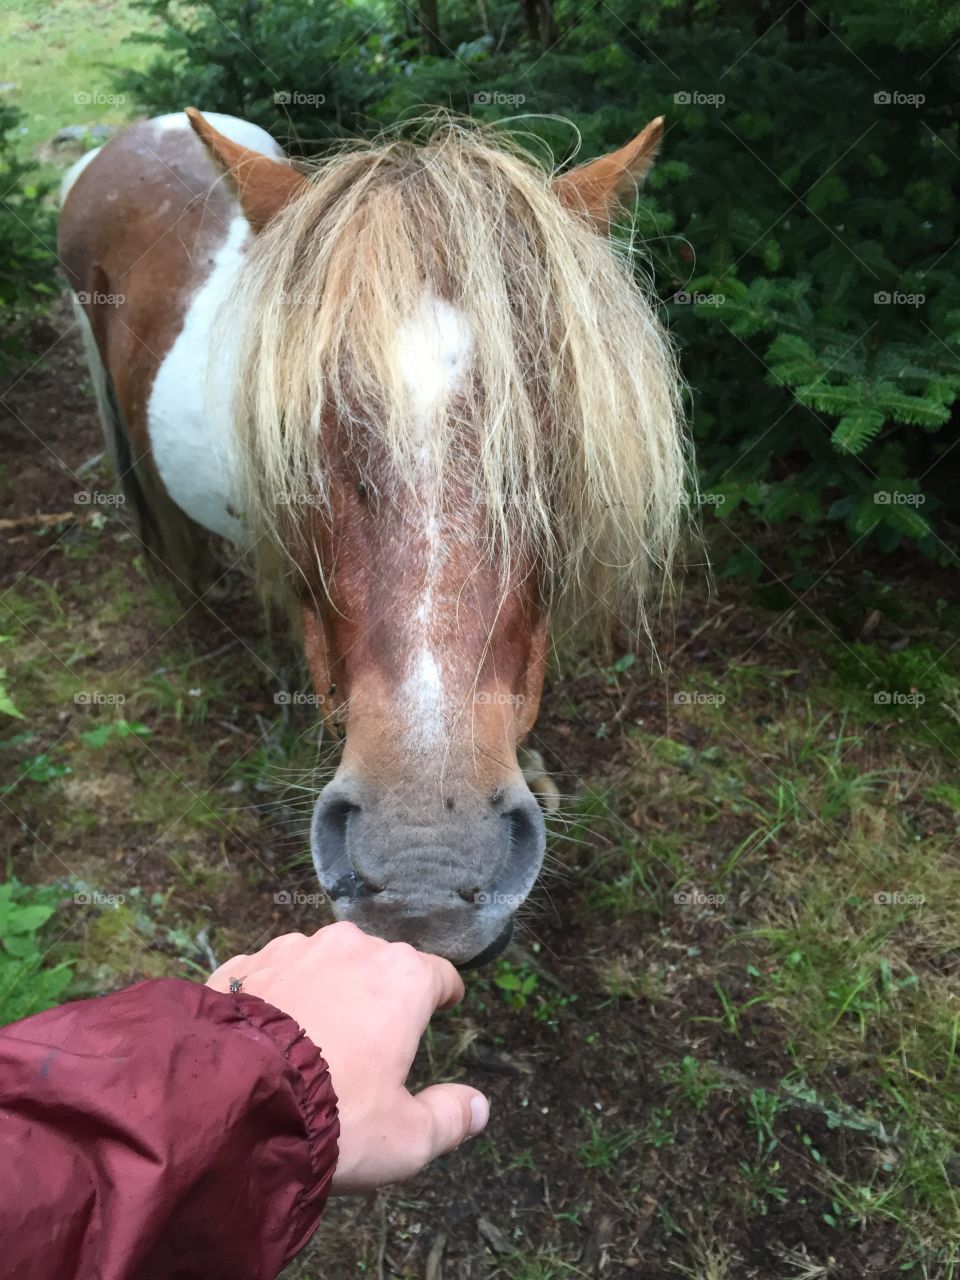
(332, 853)
(336, 817)
(354, 886)
(522, 828)
(524, 837)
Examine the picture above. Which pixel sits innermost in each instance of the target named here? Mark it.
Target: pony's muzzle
(443, 872)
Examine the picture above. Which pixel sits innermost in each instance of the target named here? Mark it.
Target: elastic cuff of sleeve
(318, 1099)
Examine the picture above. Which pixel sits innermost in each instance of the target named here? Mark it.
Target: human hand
(365, 1003)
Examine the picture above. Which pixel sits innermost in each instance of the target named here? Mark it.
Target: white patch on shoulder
(74, 172)
(240, 131)
(189, 411)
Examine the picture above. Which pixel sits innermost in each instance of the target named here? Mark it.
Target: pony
(419, 386)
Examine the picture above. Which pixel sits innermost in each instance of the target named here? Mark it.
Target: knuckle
(405, 959)
(286, 942)
(349, 940)
(341, 931)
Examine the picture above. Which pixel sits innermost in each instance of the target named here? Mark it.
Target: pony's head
(460, 417)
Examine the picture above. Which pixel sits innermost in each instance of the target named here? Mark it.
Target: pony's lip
(492, 951)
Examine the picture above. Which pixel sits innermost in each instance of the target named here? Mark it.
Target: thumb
(454, 1112)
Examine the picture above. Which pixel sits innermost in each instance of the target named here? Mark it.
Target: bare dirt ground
(681, 1081)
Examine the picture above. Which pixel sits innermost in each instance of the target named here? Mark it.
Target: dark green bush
(28, 236)
(305, 69)
(801, 223)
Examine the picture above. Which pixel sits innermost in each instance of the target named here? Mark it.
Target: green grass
(810, 815)
(694, 1081)
(606, 1144)
(103, 759)
(61, 56)
(517, 1266)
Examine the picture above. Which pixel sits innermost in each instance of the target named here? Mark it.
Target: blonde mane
(567, 431)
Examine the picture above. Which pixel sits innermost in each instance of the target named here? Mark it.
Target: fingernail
(479, 1114)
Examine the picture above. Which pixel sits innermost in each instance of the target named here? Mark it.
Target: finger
(406, 1135)
(450, 1113)
(448, 985)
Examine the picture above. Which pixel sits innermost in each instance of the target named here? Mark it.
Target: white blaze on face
(432, 355)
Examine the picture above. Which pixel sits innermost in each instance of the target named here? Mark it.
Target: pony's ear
(598, 188)
(263, 185)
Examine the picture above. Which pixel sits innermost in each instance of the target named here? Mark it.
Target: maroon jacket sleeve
(165, 1131)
